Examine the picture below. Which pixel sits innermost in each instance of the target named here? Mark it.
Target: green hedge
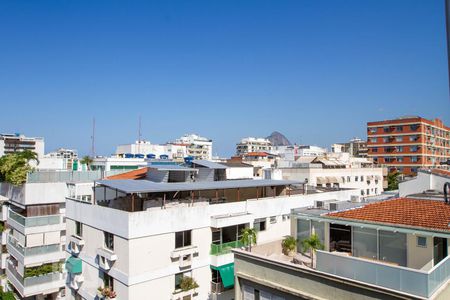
(42, 270)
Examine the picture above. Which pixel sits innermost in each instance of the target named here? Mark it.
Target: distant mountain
(278, 139)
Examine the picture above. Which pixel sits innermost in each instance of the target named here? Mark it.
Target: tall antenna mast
(93, 138)
(139, 136)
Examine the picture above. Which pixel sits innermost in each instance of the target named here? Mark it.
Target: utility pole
(93, 138)
(139, 136)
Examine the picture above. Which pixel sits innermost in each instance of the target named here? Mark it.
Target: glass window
(364, 242)
(373, 140)
(303, 232)
(393, 247)
(78, 228)
(260, 224)
(109, 240)
(178, 278)
(108, 281)
(398, 139)
(319, 229)
(421, 241)
(273, 220)
(183, 238)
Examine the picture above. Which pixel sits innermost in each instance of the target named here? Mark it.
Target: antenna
(93, 138)
(139, 136)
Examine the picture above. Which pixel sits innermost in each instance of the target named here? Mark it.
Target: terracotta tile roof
(441, 172)
(257, 154)
(428, 214)
(135, 174)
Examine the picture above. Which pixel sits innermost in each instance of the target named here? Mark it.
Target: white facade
(425, 180)
(10, 143)
(369, 181)
(173, 151)
(197, 146)
(117, 163)
(252, 144)
(144, 261)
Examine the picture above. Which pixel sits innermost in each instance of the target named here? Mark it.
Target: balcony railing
(217, 287)
(34, 221)
(39, 250)
(405, 280)
(35, 280)
(219, 249)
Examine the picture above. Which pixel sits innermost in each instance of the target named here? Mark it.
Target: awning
(73, 265)
(332, 180)
(320, 180)
(227, 274)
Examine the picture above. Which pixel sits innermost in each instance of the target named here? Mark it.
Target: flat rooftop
(130, 186)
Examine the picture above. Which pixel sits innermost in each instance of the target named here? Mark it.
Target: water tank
(129, 155)
(151, 156)
(164, 156)
(139, 155)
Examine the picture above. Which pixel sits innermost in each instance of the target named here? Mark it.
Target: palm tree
(312, 244)
(289, 244)
(29, 155)
(249, 237)
(87, 160)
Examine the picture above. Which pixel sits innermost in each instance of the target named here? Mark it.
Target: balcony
(106, 258)
(30, 286)
(184, 255)
(181, 295)
(30, 225)
(406, 280)
(32, 255)
(225, 248)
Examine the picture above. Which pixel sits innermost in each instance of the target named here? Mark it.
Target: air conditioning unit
(323, 204)
(355, 199)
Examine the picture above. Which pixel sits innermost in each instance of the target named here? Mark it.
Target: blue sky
(316, 71)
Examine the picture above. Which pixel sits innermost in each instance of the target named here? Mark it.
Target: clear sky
(316, 71)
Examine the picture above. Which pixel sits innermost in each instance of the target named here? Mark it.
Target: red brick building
(409, 143)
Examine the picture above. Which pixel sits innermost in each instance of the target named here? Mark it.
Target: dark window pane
(187, 238)
(179, 239)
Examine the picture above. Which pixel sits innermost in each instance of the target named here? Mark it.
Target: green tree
(248, 238)
(392, 179)
(14, 167)
(87, 160)
(312, 244)
(289, 244)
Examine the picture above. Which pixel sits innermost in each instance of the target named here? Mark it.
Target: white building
(354, 173)
(431, 180)
(10, 143)
(173, 151)
(61, 159)
(35, 234)
(292, 152)
(198, 147)
(117, 163)
(252, 144)
(142, 239)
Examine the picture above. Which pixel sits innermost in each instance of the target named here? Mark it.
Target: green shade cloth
(73, 265)
(227, 274)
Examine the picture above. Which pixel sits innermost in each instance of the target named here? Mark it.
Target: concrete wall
(424, 181)
(290, 282)
(419, 257)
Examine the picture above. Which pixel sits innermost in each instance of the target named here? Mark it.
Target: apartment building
(153, 151)
(409, 143)
(356, 147)
(34, 233)
(144, 239)
(367, 254)
(353, 173)
(10, 143)
(198, 147)
(60, 159)
(252, 144)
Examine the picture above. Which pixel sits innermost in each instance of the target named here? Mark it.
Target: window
(348, 178)
(260, 224)
(368, 192)
(273, 220)
(178, 278)
(183, 238)
(413, 148)
(373, 130)
(362, 192)
(421, 241)
(399, 139)
(362, 178)
(78, 229)
(374, 149)
(109, 240)
(386, 129)
(373, 140)
(400, 159)
(414, 158)
(399, 128)
(108, 281)
(399, 149)
(286, 217)
(356, 178)
(385, 139)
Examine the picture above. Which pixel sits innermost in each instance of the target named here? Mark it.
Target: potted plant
(312, 244)
(100, 292)
(289, 244)
(188, 283)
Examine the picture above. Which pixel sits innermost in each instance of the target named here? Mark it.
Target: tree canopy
(14, 167)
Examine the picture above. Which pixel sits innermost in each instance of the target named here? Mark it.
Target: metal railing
(219, 249)
(217, 287)
(70, 176)
(402, 279)
(34, 221)
(33, 250)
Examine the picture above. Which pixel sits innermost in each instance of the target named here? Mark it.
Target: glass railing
(218, 249)
(70, 176)
(30, 281)
(406, 280)
(34, 221)
(39, 250)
